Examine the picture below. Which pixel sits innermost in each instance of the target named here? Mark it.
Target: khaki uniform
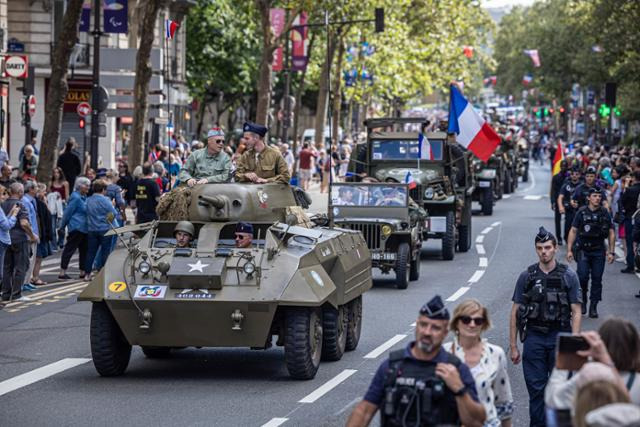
(201, 164)
(269, 165)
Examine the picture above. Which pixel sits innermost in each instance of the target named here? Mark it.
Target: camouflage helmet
(186, 227)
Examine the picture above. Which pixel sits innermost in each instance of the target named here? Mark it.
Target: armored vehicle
(389, 222)
(296, 281)
(438, 168)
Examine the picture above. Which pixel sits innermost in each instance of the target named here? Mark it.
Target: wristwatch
(460, 392)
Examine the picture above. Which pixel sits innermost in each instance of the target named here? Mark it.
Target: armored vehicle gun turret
(296, 281)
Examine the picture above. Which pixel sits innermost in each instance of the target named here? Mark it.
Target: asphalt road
(47, 378)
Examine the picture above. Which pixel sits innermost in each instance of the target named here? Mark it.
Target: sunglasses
(219, 141)
(479, 321)
(240, 236)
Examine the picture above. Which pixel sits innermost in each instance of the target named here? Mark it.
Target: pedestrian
(55, 205)
(114, 193)
(207, 165)
(160, 174)
(4, 157)
(59, 185)
(98, 208)
(288, 157)
(448, 394)
(127, 183)
(629, 202)
(5, 176)
(487, 362)
(16, 258)
(75, 219)
(29, 200)
(28, 164)
(305, 166)
(591, 227)
(564, 203)
(7, 222)
(147, 196)
(43, 249)
(69, 162)
(546, 301)
(556, 186)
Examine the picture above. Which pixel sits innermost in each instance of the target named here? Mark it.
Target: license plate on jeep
(484, 184)
(383, 256)
(437, 224)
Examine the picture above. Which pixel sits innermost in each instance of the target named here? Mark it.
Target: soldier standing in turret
(260, 163)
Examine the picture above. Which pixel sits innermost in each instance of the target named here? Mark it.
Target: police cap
(544, 236)
(435, 309)
(244, 227)
(595, 190)
(591, 170)
(254, 128)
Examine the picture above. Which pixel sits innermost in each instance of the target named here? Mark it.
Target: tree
(148, 13)
(58, 89)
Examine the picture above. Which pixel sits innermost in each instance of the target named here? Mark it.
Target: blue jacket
(75, 214)
(98, 206)
(6, 224)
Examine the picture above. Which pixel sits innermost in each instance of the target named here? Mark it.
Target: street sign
(83, 109)
(16, 66)
(32, 105)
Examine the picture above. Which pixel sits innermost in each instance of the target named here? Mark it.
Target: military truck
(299, 282)
(438, 169)
(487, 184)
(391, 226)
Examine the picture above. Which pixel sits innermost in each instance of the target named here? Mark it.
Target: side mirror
(110, 217)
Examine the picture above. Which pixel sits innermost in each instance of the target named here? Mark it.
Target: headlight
(386, 230)
(249, 268)
(428, 193)
(144, 267)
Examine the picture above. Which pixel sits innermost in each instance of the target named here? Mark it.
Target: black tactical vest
(547, 302)
(594, 229)
(415, 396)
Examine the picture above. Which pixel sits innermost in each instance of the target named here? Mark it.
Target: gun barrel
(216, 201)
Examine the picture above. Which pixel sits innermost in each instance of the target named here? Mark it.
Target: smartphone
(567, 347)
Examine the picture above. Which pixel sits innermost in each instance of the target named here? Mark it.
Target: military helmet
(186, 227)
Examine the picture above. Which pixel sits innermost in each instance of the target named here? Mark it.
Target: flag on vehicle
(473, 132)
(170, 28)
(526, 79)
(424, 148)
(408, 179)
(535, 57)
(557, 159)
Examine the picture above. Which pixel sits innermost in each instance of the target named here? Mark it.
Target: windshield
(406, 149)
(370, 195)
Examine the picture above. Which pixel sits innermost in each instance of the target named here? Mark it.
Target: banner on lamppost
(85, 17)
(277, 16)
(115, 16)
(299, 38)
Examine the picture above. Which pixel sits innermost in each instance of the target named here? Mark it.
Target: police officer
(260, 163)
(564, 199)
(546, 301)
(422, 385)
(556, 186)
(209, 164)
(184, 233)
(579, 198)
(591, 227)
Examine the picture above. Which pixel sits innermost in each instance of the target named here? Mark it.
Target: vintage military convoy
(298, 282)
(437, 169)
(391, 224)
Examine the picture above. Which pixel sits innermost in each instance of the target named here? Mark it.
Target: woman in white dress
(487, 362)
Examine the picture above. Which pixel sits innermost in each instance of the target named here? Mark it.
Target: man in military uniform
(556, 186)
(260, 163)
(546, 301)
(184, 233)
(564, 199)
(244, 235)
(422, 385)
(579, 198)
(209, 164)
(591, 227)
(390, 198)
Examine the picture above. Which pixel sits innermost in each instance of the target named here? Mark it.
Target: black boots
(584, 303)
(593, 310)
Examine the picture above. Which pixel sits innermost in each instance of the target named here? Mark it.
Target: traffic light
(81, 124)
(551, 110)
(604, 110)
(616, 111)
(546, 112)
(562, 110)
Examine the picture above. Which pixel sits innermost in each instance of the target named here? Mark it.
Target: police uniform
(407, 390)
(592, 229)
(582, 192)
(268, 164)
(567, 190)
(545, 308)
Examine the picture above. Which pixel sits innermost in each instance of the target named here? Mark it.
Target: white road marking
(36, 375)
(480, 249)
(458, 294)
(328, 386)
(275, 422)
(483, 262)
(385, 346)
(57, 267)
(51, 292)
(476, 276)
(506, 196)
(480, 238)
(533, 183)
(497, 223)
(486, 230)
(537, 197)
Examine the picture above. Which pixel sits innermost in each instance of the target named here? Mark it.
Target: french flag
(408, 179)
(473, 132)
(170, 28)
(425, 152)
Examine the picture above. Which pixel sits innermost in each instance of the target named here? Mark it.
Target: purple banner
(115, 16)
(85, 17)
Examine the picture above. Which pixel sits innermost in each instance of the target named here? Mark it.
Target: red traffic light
(551, 110)
(81, 124)
(535, 109)
(561, 110)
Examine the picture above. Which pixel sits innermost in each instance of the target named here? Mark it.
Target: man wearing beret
(209, 164)
(244, 235)
(422, 384)
(260, 163)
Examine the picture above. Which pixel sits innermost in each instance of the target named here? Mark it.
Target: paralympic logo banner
(115, 16)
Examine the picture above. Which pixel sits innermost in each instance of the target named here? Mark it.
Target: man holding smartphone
(546, 301)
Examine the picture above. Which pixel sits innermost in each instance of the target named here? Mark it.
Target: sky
(501, 3)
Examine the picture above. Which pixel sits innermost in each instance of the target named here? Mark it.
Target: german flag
(557, 158)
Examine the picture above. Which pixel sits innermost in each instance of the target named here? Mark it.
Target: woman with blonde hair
(487, 362)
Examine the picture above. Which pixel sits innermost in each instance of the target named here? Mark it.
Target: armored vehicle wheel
(402, 266)
(448, 240)
(303, 342)
(109, 348)
(334, 332)
(464, 237)
(354, 326)
(153, 352)
(487, 201)
(414, 268)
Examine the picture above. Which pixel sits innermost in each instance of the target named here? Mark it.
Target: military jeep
(390, 224)
(437, 169)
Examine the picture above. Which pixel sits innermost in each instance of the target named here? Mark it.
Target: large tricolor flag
(170, 28)
(557, 159)
(473, 132)
(424, 149)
